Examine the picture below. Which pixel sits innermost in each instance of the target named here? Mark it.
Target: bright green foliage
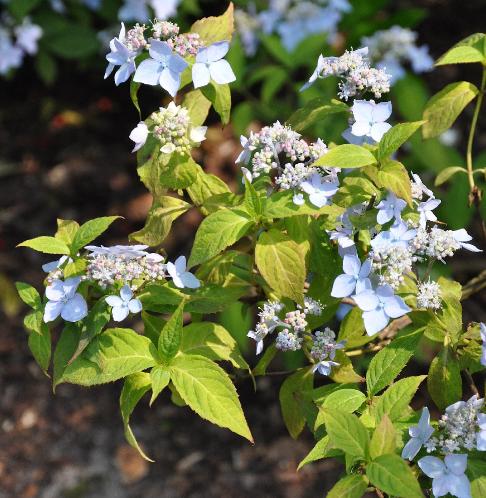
(471, 49)
(346, 156)
(447, 173)
(351, 486)
(171, 335)
(384, 439)
(394, 176)
(160, 378)
(315, 111)
(48, 245)
(444, 381)
(395, 137)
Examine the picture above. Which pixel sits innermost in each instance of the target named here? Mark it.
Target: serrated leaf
(394, 176)
(391, 360)
(171, 336)
(384, 439)
(205, 187)
(444, 381)
(346, 156)
(315, 111)
(180, 172)
(212, 341)
(47, 245)
(395, 400)
(220, 97)
(352, 329)
(253, 201)
(207, 389)
(351, 486)
(112, 355)
(29, 295)
(290, 395)
(445, 106)
(395, 137)
(160, 378)
(467, 51)
(91, 230)
(347, 433)
(135, 386)
(214, 29)
(448, 173)
(282, 264)
(392, 475)
(66, 230)
(346, 400)
(217, 232)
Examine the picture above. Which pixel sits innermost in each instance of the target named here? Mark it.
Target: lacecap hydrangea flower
(210, 64)
(63, 300)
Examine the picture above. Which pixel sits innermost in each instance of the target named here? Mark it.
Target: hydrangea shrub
(335, 247)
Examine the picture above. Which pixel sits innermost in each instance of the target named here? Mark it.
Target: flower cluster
(279, 150)
(324, 349)
(16, 41)
(356, 74)
(167, 50)
(394, 253)
(171, 126)
(292, 20)
(123, 268)
(393, 47)
(461, 429)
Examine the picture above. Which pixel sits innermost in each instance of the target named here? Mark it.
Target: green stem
(472, 131)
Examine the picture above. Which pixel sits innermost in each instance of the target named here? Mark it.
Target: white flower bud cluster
(135, 39)
(108, 268)
(311, 307)
(296, 320)
(429, 295)
(288, 340)
(293, 175)
(262, 151)
(163, 30)
(391, 264)
(435, 243)
(186, 44)
(324, 345)
(458, 427)
(172, 127)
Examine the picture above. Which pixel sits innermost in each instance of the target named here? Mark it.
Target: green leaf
(394, 176)
(220, 97)
(346, 156)
(171, 335)
(281, 205)
(134, 88)
(197, 105)
(448, 173)
(29, 295)
(215, 29)
(135, 386)
(390, 361)
(73, 42)
(47, 245)
(39, 339)
(66, 230)
(90, 230)
(21, 8)
(75, 268)
(282, 264)
(112, 355)
(384, 439)
(153, 325)
(347, 433)
(217, 232)
(476, 471)
(393, 476)
(444, 381)
(207, 389)
(180, 172)
(159, 221)
(291, 395)
(205, 187)
(314, 112)
(469, 50)
(445, 106)
(346, 400)
(160, 378)
(395, 137)
(212, 341)
(265, 360)
(64, 351)
(352, 329)
(351, 486)
(322, 449)
(253, 201)
(345, 372)
(396, 398)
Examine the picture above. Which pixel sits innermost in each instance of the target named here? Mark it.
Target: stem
(470, 140)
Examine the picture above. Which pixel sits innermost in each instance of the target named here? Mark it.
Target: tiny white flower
(139, 135)
(123, 304)
(180, 276)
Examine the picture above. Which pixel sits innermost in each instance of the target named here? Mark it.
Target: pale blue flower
(134, 251)
(482, 329)
(420, 187)
(65, 301)
(420, 58)
(425, 211)
(180, 276)
(390, 208)
(379, 307)
(320, 191)
(481, 437)
(11, 56)
(164, 68)
(419, 435)
(354, 278)
(211, 65)
(123, 304)
(134, 10)
(399, 235)
(121, 56)
(139, 135)
(324, 367)
(53, 265)
(27, 35)
(462, 237)
(370, 119)
(164, 8)
(448, 476)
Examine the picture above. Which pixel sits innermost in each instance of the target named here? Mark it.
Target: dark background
(64, 152)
